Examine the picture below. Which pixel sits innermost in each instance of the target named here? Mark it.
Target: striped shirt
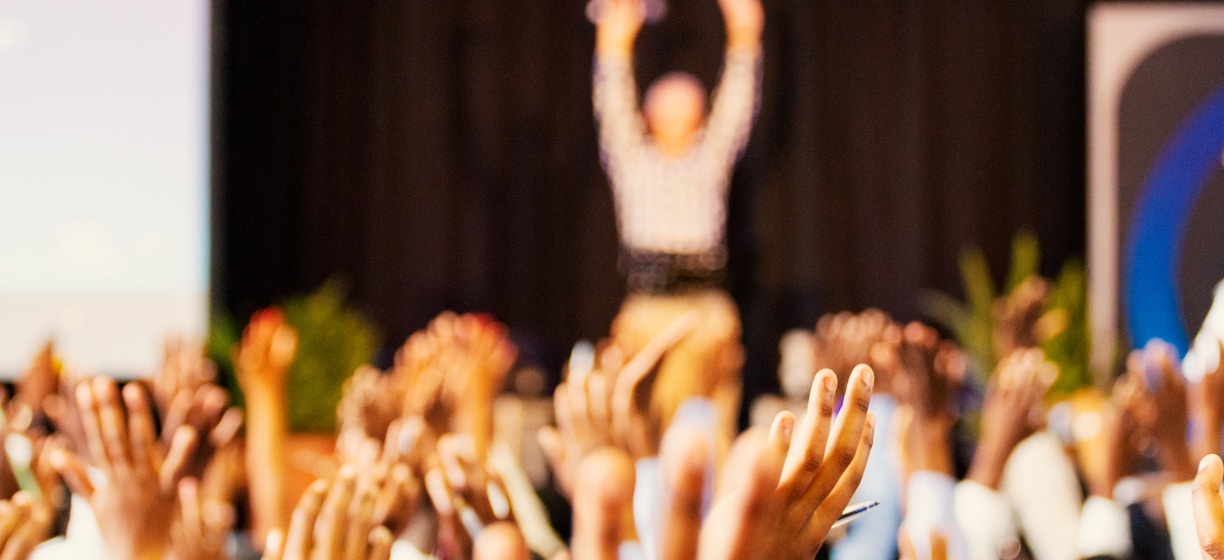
(665, 204)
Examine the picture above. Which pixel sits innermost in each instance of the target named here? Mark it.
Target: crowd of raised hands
(164, 467)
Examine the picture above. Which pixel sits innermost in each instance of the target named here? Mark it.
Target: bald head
(674, 108)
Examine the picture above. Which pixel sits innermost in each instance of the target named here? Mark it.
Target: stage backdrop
(443, 155)
(1157, 187)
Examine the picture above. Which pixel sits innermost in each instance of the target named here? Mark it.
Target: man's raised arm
(615, 93)
(736, 99)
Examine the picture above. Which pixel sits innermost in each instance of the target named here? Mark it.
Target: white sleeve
(1040, 482)
(648, 506)
(734, 106)
(1104, 529)
(1179, 514)
(614, 94)
(930, 507)
(985, 520)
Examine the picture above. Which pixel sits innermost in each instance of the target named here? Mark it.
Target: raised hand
(1124, 434)
(609, 405)
(1010, 412)
(200, 526)
(788, 488)
(452, 370)
(24, 523)
(334, 520)
(1165, 414)
(263, 357)
(927, 373)
(617, 27)
(134, 494)
(261, 362)
(745, 19)
(467, 495)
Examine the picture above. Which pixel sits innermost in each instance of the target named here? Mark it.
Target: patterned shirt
(665, 204)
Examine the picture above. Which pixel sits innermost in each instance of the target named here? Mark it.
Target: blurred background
(442, 155)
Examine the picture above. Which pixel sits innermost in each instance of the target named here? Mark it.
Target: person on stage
(669, 164)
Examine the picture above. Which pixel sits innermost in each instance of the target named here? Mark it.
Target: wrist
(749, 41)
(987, 466)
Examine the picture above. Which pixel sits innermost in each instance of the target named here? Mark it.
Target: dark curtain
(442, 155)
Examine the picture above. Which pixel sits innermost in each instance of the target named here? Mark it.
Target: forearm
(267, 430)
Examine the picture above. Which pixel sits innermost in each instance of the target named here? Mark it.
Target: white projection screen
(104, 157)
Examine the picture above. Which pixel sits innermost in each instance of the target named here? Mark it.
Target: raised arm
(621, 130)
(735, 101)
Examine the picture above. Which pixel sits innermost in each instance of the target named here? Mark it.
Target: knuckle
(1212, 547)
(811, 464)
(844, 458)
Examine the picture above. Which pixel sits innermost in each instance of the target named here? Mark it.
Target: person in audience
(416, 475)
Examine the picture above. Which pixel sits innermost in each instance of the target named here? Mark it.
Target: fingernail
(830, 383)
(1203, 463)
(788, 427)
(869, 378)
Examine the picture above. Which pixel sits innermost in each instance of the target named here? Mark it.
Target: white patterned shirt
(665, 204)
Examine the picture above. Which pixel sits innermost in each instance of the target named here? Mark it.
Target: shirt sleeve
(621, 130)
(1039, 481)
(735, 105)
(1179, 514)
(1104, 529)
(985, 520)
(929, 507)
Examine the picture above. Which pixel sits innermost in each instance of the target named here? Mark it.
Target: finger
(73, 470)
(782, 431)
(178, 458)
(145, 453)
(602, 497)
(391, 448)
(439, 493)
(189, 512)
(750, 511)
(381, 540)
(87, 407)
(847, 433)
(807, 450)
(300, 539)
(10, 515)
(550, 442)
(227, 427)
(578, 408)
(274, 546)
(329, 527)
(29, 534)
(361, 522)
(562, 412)
(176, 414)
(1209, 508)
(598, 401)
(452, 467)
(829, 507)
(685, 456)
(114, 428)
